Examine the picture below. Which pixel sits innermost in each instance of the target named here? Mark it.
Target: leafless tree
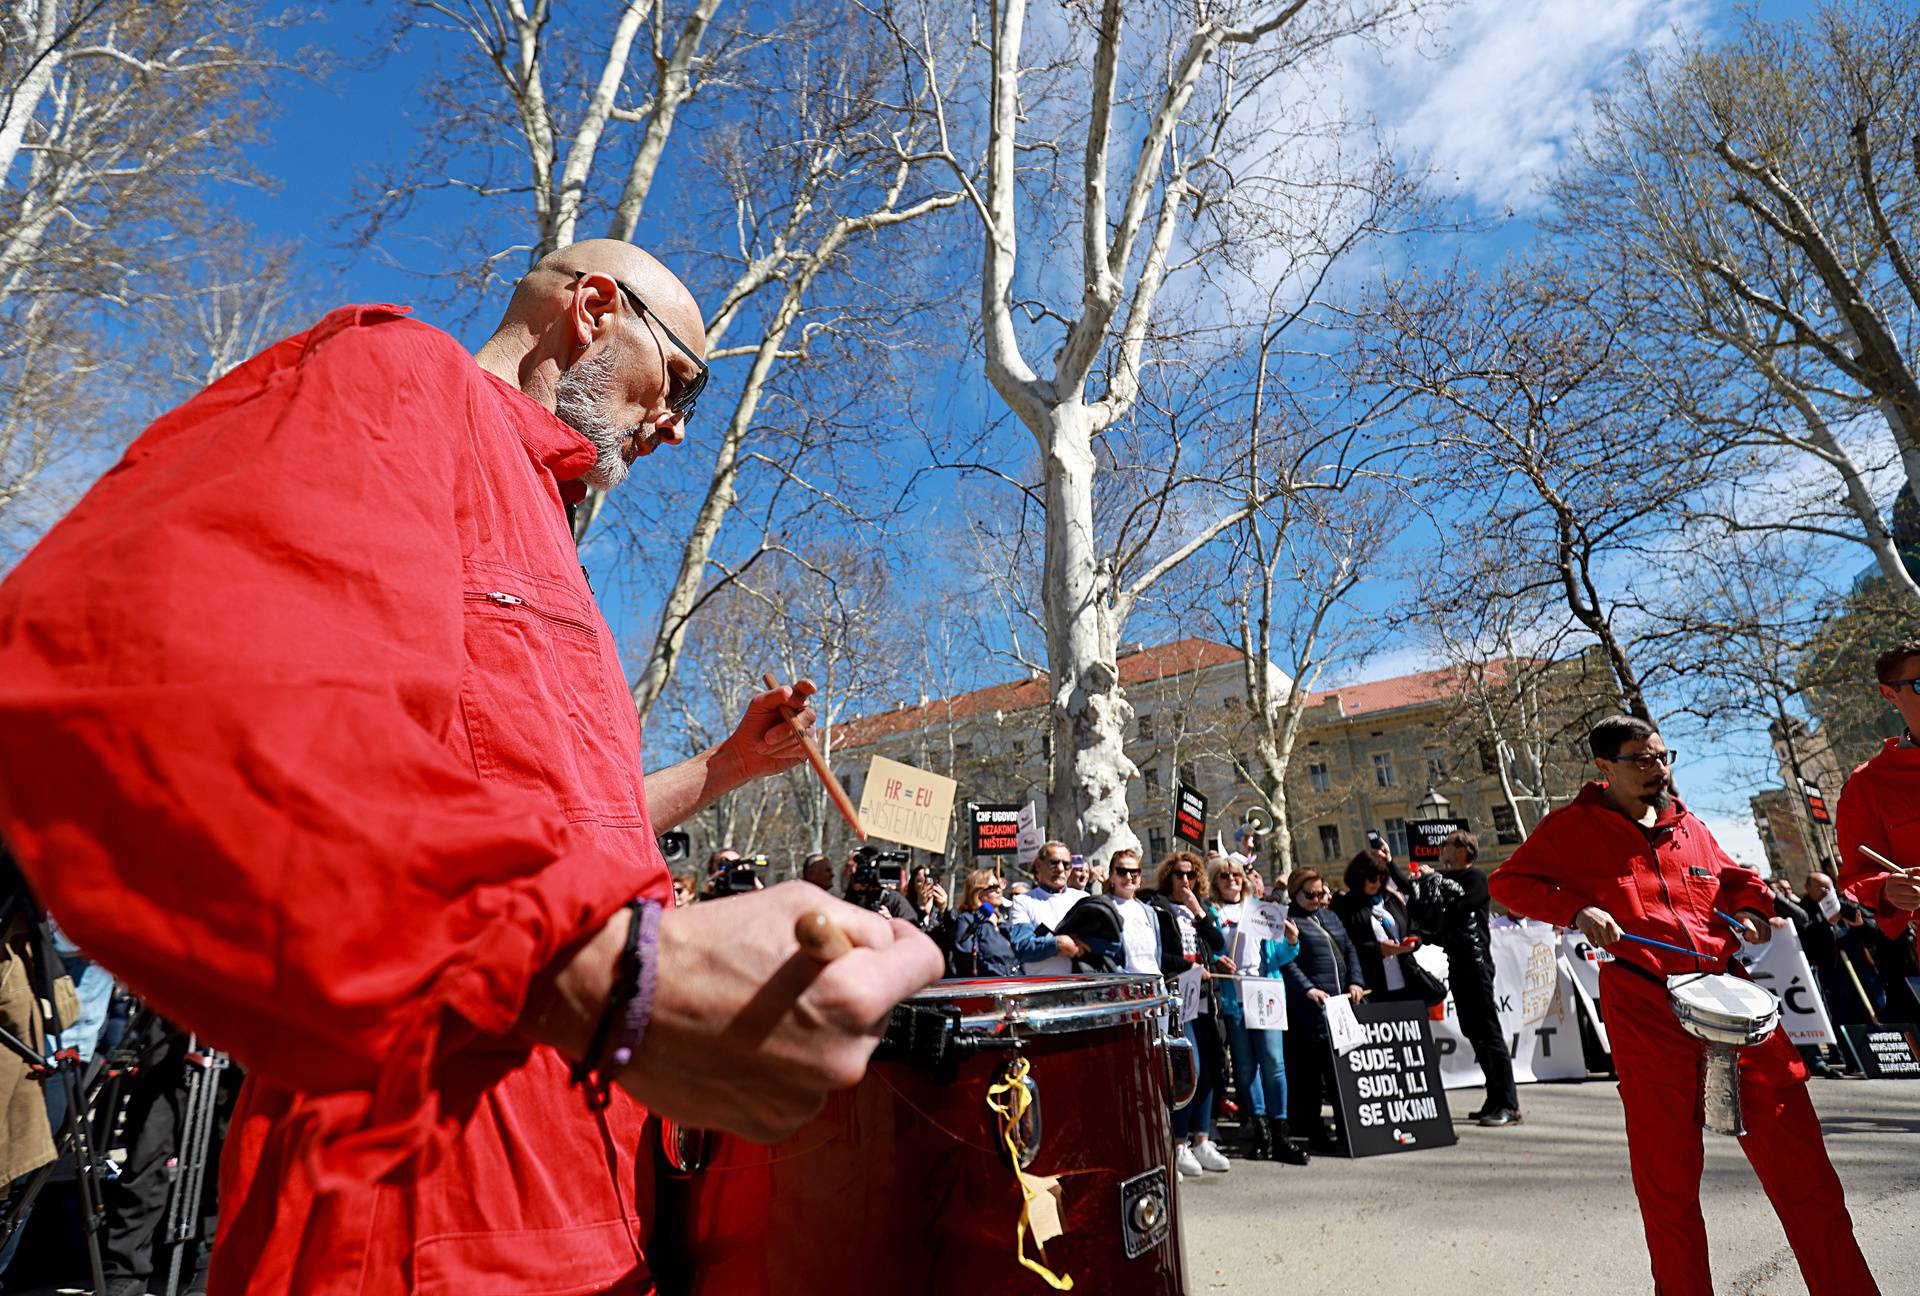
(1752, 207)
(1230, 168)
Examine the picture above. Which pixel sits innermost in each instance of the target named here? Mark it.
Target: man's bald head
(591, 332)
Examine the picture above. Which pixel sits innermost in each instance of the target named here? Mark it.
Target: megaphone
(1256, 820)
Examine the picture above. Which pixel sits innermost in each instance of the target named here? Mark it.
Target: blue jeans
(1259, 1068)
(1197, 1116)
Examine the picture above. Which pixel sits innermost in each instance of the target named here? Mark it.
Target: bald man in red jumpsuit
(1624, 856)
(311, 731)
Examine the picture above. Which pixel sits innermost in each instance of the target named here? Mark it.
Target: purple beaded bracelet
(639, 1011)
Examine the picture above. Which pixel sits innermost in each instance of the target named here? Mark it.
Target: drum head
(1048, 1005)
(1724, 1009)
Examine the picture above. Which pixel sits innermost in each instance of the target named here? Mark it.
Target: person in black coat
(1328, 965)
(980, 943)
(1190, 937)
(1358, 906)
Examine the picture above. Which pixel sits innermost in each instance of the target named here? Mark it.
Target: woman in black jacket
(1190, 937)
(1328, 965)
(1376, 920)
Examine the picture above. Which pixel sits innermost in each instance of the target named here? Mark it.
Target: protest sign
(1263, 1001)
(1536, 1002)
(1263, 920)
(1189, 816)
(1781, 966)
(1425, 835)
(995, 829)
(1388, 1082)
(1030, 838)
(1191, 984)
(1343, 1028)
(1884, 1052)
(906, 805)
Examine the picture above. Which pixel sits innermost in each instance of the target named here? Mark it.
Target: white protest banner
(1781, 966)
(1583, 965)
(1192, 985)
(1535, 1002)
(1263, 920)
(1343, 1028)
(1263, 1002)
(907, 805)
(1030, 839)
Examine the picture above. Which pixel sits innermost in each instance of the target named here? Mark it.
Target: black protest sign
(1885, 1052)
(1816, 803)
(1425, 835)
(996, 829)
(1388, 1085)
(1189, 816)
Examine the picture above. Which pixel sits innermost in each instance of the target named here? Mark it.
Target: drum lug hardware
(928, 1036)
(1029, 1132)
(683, 1152)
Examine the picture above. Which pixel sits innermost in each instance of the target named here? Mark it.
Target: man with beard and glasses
(311, 731)
(1626, 857)
(1880, 806)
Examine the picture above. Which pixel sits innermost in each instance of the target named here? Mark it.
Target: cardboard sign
(1263, 1003)
(1816, 803)
(1030, 838)
(1781, 966)
(995, 829)
(1262, 920)
(1388, 1086)
(1425, 835)
(1189, 816)
(906, 805)
(1343, 1028)
(1885, 1052)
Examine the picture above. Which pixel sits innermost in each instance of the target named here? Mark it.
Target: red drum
(903, 1183)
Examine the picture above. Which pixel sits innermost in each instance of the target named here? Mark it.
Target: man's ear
(591, 310)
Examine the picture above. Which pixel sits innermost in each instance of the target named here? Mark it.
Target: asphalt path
(1544, 1207)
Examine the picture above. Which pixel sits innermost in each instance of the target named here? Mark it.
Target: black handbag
(1430, 989)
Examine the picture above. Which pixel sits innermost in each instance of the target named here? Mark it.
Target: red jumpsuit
(1880, 807)
(310, 730)
(1666, 885)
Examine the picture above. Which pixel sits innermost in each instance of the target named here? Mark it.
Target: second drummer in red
(1626, 858)
(1878, 805)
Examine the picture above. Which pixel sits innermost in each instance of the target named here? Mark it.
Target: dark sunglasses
(1126, 872)
(1186, 873)
(680, 399)
(1912, 686)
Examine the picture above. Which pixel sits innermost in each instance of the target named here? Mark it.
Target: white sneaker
(1211, 1157)
(1186, 1164)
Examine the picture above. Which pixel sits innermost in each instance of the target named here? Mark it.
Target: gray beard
(580, 401)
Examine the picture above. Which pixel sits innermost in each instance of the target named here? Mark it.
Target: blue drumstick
(1739, 927)
(1648, 940)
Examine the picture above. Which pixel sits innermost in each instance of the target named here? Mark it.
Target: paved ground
(1546, 1207)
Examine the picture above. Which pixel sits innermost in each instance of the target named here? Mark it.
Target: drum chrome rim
(1724, 1022)
(1055, 1005)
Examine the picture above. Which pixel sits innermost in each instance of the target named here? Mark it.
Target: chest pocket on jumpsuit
(542, 694)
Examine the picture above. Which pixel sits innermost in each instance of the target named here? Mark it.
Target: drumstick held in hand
(820, 937)
(1883, 861)
(819, 763)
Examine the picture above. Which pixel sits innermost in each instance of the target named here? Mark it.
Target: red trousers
(1659, 1067)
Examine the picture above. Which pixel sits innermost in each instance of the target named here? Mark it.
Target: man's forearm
(679, 792)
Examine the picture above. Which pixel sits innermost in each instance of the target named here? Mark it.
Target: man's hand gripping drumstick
(765, 1002)
(1903, 888)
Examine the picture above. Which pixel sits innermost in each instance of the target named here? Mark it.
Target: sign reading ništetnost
(1189, 816)
(996, 829)
(1388, 1084)
(906, 805)
(1425, 835)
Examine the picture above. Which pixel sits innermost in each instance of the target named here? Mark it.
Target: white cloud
(1494, 111)
(1739, 837)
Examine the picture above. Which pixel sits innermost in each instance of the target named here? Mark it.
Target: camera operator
(728, 874)
(865, 888)
(929, 901)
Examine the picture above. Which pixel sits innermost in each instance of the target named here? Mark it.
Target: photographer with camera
(869, 870)
(728, 874)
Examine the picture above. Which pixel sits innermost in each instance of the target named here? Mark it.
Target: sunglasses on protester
(681, 399)
(1126, 872)
(1912, 686)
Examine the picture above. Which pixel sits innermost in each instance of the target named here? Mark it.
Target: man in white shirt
(1047, 902)
(1139, 925)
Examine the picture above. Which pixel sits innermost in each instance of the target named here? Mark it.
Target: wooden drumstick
(819, 763)
(820, 937)
(1883, 861)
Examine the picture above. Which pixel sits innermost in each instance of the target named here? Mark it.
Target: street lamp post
(1433, 805)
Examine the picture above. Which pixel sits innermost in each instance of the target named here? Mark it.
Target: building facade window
(1436, 766)
(1152, 775)
(1395, 831)
(1329, 843)
(1383, 770)
(1317, 777)
(1506, 829)
(1186, 776)
(1146, 728)
(1489, 756)
(1157, 844)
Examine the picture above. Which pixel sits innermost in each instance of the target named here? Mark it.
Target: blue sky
(1492, 114)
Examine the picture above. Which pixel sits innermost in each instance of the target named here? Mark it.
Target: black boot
(1259, 1144)
(1285, 1150)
